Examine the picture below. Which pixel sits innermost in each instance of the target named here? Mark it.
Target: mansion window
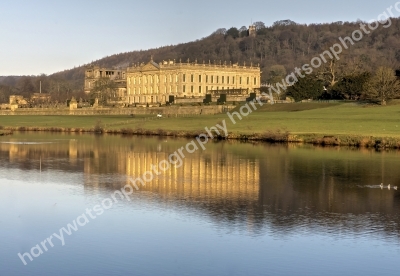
(207, 78)
(223, 79)
(199, 89)
(227, 80)
(212, 79)
(248, 80)
(233, 80)
(191, 89)
(184, 89)
(199, 78)
(184, 78)
(192, 78)
(255, 81)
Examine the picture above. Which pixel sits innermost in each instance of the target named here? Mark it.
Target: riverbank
(6, 132)
(269, 136)
(312, 123)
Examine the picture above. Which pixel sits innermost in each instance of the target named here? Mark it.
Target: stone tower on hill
(252, 30)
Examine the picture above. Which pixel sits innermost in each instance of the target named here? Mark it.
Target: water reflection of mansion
(221, 176)
(237, 185)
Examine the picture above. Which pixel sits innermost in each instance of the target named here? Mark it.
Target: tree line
(59, 88)
(379, 86)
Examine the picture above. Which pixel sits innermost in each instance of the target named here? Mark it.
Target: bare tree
(103, 89)
(383, 86)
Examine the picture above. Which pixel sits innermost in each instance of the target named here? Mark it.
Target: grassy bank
(317, 123)
(5, 132)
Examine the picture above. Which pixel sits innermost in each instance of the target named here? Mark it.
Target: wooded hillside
(278, 49)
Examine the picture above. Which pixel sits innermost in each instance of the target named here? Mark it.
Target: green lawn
(297, 118)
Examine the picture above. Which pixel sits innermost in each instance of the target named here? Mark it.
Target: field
(297, 118)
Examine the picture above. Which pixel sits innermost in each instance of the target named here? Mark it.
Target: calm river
(232, 209)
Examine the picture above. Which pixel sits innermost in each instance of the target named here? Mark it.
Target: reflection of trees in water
(329, 190)
(294, 188)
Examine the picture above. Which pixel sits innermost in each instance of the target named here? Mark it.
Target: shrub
(277, 136)
(161, 132)
(98, 127)
(127, 131)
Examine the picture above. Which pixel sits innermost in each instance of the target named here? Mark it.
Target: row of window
(208, 79)
(151, 90)
(217, 79)
(200, 90)
(171, 89)
(150, 79)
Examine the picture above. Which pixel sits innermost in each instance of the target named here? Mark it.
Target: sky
(40, 36)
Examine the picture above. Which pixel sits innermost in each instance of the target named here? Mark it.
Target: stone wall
(180, 110)
(188, 100)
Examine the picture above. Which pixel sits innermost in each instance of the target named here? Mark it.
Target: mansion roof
(172, 65)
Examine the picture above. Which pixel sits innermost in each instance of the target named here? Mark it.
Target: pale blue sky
(49, 36)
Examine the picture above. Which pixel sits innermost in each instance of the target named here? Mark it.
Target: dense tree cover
(233, 32)
(380, 87)
(310, 87)
(278, 49)
(350, 87)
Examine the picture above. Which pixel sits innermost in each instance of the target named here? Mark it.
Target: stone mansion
(155, 83)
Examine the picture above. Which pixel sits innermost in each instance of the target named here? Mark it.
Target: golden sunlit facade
(153, 83)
